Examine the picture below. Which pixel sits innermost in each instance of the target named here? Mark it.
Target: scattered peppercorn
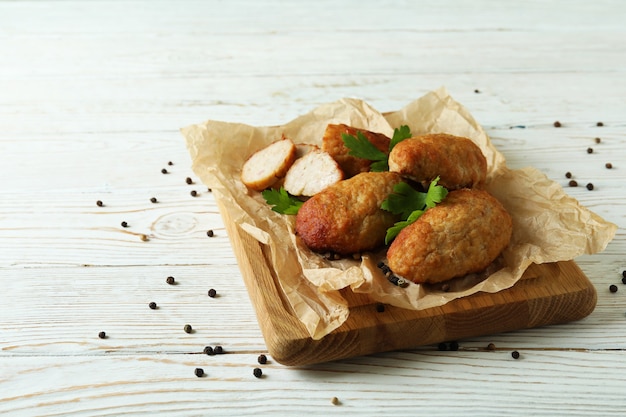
(188, 180)
(454, 346)
(152, 305)
(262, 359)
(491, 347)
(380, 307)
(210, 233)
(188, 328)
(599, 124)
(442, 346)
(143, 238)
(608, 165)
(573, 183)
(99, 203)
(589, 150)
(590, 186)
(445, 287)
(257, 372)
(164, 171)
(515, 354)
(557, 124)
(170, 280)
(153, 200)
(598, 140)
(209, 190)
(218, 350)
(124, 224)
(623, 280)
(477, 91)
(102, 335)
(568, 174)
(624, 273)
(613, 288)
(334, 401)
(208, 350)
(199, 372)
(212, 293)
(193, 193)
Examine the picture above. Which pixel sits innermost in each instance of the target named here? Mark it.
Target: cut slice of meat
(268, 165)
(312, 173)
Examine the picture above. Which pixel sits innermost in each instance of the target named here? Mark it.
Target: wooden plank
(469, 383)
(554, 293)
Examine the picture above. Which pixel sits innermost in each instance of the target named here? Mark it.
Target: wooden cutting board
(546, 294)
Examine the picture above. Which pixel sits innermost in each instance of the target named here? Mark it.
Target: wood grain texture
(92, 96)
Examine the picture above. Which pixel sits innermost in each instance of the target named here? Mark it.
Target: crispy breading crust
(461, 235)
(332, 143)
(458, 161)
(346, 217)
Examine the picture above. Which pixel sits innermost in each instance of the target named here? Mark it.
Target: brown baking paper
(548, 225)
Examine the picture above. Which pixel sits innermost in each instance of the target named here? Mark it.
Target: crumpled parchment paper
(548, 225)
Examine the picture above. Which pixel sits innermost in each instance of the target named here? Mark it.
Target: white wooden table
(92, 96)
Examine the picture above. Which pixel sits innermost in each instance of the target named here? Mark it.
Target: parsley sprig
(361, 147)
(410, 204)
(281, 201)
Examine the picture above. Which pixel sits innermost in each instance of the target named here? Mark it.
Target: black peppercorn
(568, 174)
(477, 91)
(102, 335)
(188, 328)
(573, 183)
(598, 140)
(515, 354)
(454, 346)
(212, 293)
(623, 280)
(613, 288)
(599, 124)
(208, 350)
(590, 186)
(210, 233)
(218, 350)
(170, 280)
(442, 346)
(380, 307)
(491, 347)
(153, 200)
(589, 150)
(257, 372)
(193, 193)
(164, 171)
(608, 165)
(624, 273)
(99, 203)
(262, 359)
(188, 180)
(124, 224)
(152, 305)
(209, 190)
(557, 124)
(170, 163)
(199, 372)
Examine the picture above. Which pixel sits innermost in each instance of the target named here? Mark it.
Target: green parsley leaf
(410, 204)
(393, 231)
(281, 201)
(399, 134)
(404, 200)
(435, 194)
(361, 147)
